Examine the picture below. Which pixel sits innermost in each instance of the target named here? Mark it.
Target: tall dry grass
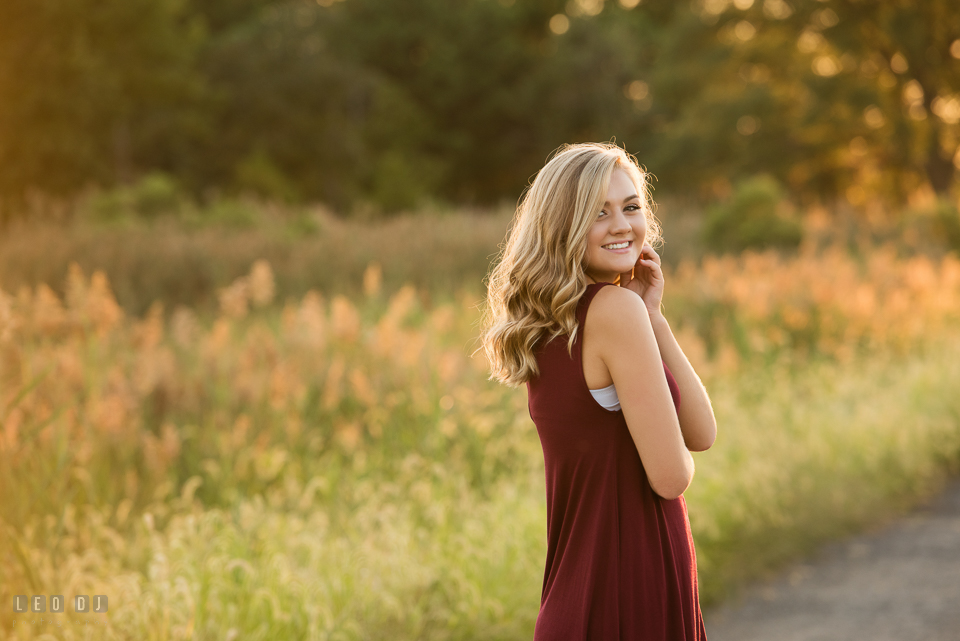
(165, 259)
(340, 467)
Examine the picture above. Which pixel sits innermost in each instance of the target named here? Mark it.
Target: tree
(909, 51)
(847, 92)
(87, 86)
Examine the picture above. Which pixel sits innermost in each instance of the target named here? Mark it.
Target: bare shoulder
(620, 331)
(615, 309)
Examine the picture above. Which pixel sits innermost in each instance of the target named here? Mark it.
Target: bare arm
(697, 422)
(628, 347)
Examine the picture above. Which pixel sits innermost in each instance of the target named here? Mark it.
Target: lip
(624, 250)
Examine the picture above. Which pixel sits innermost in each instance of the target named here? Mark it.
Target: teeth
(617, 245)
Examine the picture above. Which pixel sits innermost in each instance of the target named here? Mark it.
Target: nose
(620, 224)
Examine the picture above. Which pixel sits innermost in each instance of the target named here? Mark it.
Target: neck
(592, 281)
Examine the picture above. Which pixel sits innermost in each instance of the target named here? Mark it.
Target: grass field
(332, 467)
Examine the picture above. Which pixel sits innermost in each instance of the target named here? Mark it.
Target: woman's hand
(646, 280)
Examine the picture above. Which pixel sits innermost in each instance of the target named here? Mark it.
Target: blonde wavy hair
(533, 290)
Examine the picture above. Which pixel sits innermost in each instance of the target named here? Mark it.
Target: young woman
(573, 312)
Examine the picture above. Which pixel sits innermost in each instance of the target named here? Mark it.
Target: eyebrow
(627, 199)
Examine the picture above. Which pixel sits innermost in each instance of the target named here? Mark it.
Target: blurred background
(391, 104)
(226, 113)
(243, 246)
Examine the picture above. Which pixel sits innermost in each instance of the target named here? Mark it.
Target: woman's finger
(654, 267)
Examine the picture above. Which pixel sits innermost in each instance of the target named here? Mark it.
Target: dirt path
(901, 583)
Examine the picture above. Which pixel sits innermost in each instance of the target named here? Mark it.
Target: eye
(632, 208)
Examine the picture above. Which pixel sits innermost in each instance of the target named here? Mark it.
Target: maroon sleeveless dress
(620, 559)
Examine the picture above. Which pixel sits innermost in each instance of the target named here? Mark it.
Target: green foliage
(390, 104)
(94, 91)
(153, 195)
(751, 219)
(257, 173)
(156, 194)
(304, 225)
(948, 224)
(232, 213)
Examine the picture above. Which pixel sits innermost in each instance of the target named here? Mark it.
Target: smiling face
(617, 235)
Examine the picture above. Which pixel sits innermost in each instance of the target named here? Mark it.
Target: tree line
(398, 102)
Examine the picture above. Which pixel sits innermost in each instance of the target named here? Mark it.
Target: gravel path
(898, 584)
